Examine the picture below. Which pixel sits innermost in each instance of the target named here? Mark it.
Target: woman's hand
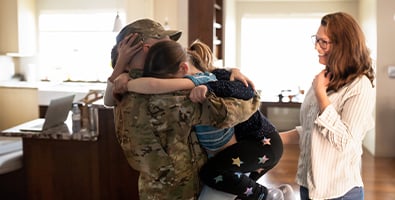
(198, 94)
(237, 75)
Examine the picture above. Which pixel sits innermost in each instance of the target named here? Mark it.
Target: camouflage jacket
(156, 135)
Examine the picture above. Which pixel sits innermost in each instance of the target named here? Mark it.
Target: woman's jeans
(354, 194)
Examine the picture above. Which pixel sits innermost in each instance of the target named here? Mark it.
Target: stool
(12, 185)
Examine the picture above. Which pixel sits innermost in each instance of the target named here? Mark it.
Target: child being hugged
(238, 155)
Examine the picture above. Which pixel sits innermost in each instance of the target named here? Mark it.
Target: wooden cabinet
(206, 23)
(70, 169)
(18, 105)
(284, 115)
(17, 27)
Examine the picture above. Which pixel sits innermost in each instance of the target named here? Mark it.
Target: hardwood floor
(378, 174)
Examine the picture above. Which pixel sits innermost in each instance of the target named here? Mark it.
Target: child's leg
(276, 149)
(225, 171)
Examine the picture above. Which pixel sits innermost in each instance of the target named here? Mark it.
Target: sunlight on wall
(76, 46)
(277, 53)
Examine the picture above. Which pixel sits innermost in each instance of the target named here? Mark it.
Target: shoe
(274, 194)
(287, 191)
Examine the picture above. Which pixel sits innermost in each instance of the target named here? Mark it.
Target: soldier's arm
(227, 112)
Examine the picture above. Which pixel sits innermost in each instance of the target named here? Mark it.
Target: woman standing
(336, 113)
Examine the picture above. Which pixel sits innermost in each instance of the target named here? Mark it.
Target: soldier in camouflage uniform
(155, 133)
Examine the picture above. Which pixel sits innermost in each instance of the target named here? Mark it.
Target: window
(76, 47)
(277, 53)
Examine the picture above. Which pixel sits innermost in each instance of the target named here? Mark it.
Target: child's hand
(237, 75)
(198, 94)
(121, 84)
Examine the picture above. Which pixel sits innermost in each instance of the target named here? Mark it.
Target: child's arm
(149, 85)
(226, 88)
(233, 74)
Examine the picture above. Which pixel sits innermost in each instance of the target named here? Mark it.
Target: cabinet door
(201, 16)
(58, 169)
(206, 24)
(17, 27)
(17, 105)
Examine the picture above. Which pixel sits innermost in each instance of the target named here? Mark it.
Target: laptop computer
(57, 112)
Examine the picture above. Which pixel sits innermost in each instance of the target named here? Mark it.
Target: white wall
(385, 109)
(230, 33)
(79, 4)
(175, 14)
(368, 21)
(137, 9)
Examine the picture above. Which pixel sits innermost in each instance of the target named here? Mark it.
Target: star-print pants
(228, 170)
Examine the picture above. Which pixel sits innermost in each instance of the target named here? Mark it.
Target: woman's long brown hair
(349, 57)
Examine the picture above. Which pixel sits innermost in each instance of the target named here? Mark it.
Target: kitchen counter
(61, 132)
(50, 90)
(25, 101)
(59, 166)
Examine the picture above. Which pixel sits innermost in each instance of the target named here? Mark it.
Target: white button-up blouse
(331, 142)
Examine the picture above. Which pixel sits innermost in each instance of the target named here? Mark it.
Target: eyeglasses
(323, 43)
